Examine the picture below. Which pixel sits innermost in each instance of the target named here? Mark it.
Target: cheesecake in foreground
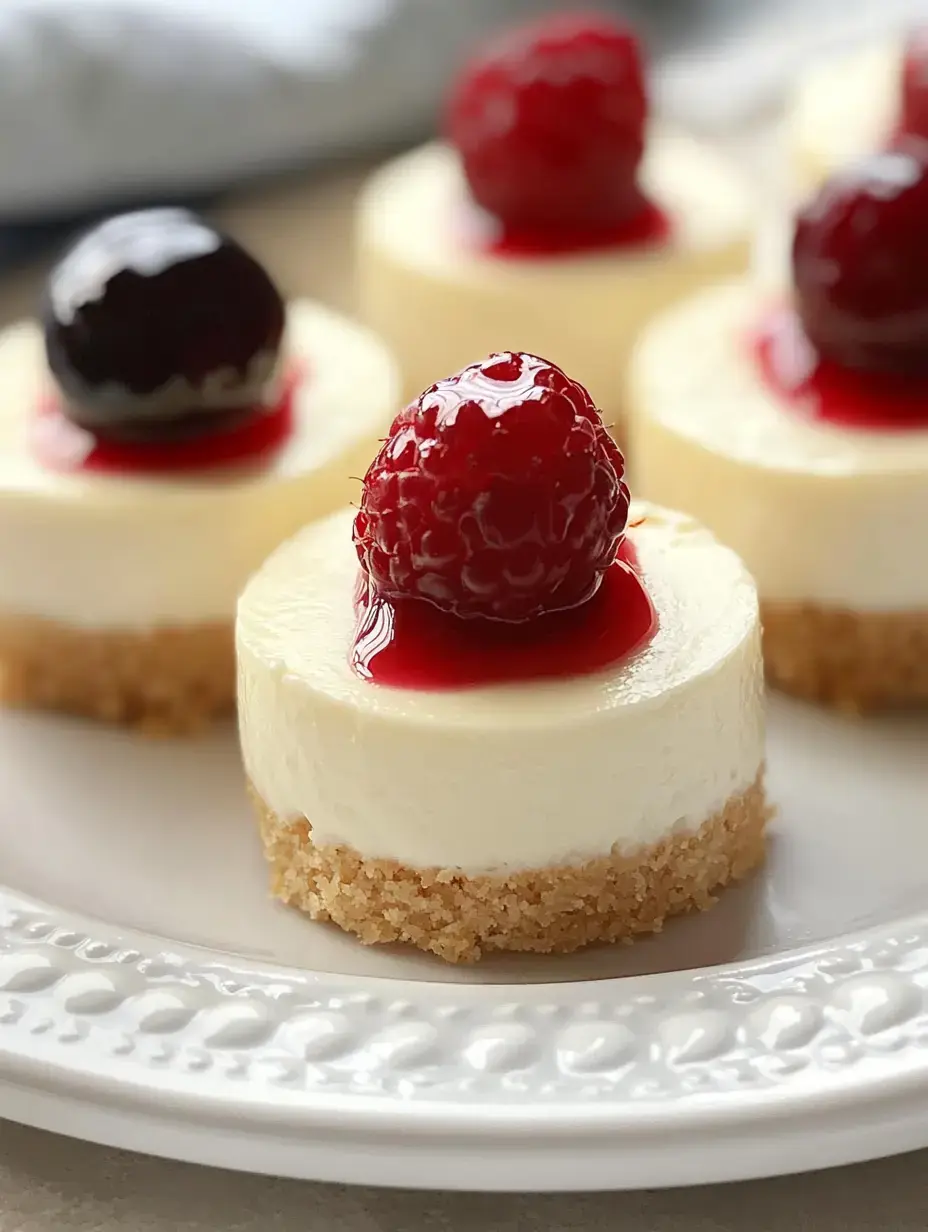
(513, 714)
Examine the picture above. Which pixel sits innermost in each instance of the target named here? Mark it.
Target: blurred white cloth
(101, 99)
(104, 97)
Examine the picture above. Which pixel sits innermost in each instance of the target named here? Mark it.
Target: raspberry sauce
(409, 644)
(821, 389)
(913, 119)
(205, 441)
(649, 228)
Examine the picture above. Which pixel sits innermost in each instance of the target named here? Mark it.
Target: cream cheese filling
(130, 551)
(819, 514)
(514, 776)
(441, 302)
(843, 109)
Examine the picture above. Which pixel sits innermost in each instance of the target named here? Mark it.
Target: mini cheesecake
(510, 715)
(164, 427)
(850, 105)
(558, 231)
(796, 429)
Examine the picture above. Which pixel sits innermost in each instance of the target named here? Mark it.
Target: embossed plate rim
(801, 1059)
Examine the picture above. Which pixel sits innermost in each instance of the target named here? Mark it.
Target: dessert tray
(153, 997)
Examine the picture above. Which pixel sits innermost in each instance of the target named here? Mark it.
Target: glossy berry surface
(860, 263)
(153, 320)
(913, 117)
(498, 494)
(549, 121)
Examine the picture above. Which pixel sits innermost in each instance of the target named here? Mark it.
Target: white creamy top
(819, 513)
(510, 776)
(110, 551)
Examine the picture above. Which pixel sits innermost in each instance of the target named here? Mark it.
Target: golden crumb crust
(167, 681)
(854, 661)
(548, 910)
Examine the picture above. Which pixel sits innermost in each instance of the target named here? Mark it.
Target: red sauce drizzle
(251, 437)
(820, 389)
(649, 228)
(409, 644)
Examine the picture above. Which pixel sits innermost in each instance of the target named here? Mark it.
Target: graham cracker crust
(164, 681)
(548, 910)
(854, 661)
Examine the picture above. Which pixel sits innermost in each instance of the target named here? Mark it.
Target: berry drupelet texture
(498, 494)
(549, 121)
(860, 263)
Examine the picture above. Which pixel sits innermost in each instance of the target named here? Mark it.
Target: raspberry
(914, 94)
(549, 122)
(860, 263)
(498, 494)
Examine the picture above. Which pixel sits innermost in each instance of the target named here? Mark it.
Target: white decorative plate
(151, 995)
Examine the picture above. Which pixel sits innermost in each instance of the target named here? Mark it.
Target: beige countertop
(50, 1184)
(47, 1184)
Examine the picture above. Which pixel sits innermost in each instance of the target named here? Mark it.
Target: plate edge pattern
(77, 998)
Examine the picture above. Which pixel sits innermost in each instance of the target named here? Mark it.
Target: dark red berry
(154, 319)
(499, 493)
(549, 121)
(913, 116)
(860, 263)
